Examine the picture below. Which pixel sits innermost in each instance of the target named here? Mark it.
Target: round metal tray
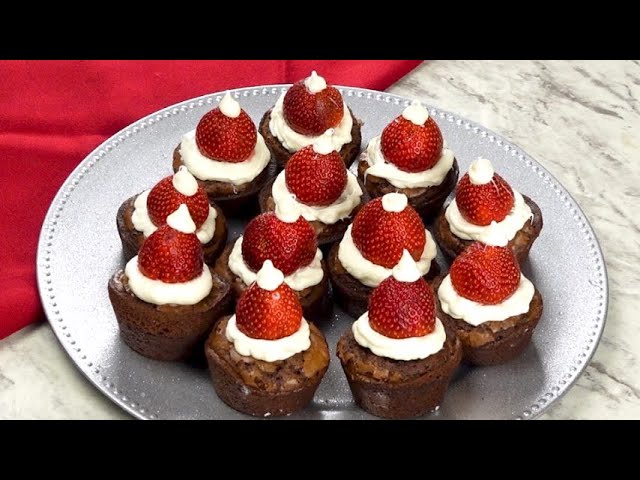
(79, 250)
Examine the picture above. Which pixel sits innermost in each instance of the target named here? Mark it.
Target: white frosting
(416, 113)
(302, 278)
(269, 350)
(269, 277)
(394, 202)
(406, 270)
(475, 313)
(184, 182)
(161, 293)
(496, 233)
(239, 173)
(315, 83)
(370, 274)
(379, 167)
(286, 201)
(294, 141)
(480, 171)
(229, 106)
(181, 221)
(324, 144)
(142, 222)
(411, 348)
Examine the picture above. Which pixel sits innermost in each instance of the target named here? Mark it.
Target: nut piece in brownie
(316, 184)
(139, 216)
(290, 243)
(410, 157)
(267, 360)
(166, 299)
(304, 112)
(489, 304)
(373, 245)
(488, 210)
(227, 156)
(398, 356)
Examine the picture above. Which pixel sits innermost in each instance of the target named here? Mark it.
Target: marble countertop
(577, 118)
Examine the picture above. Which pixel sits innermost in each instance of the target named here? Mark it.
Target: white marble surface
(579, 119)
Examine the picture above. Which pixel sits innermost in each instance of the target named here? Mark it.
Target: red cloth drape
(53, 113)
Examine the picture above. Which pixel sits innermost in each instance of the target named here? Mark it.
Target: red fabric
(53, 113)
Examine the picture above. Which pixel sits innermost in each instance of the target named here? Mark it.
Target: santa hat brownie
(410, 157)
(488, 210)
(399, 349)
(303, 113)
(267, 359)
(316, 185)
(166, 299)
(289, 242)
(141, 215)
(373, 244)
(227, 155)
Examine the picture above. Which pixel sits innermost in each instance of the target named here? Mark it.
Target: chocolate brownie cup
(349, 292)
(260, 388)
(166, 332)
(427, 201)
(133, 239)
(398, 389)
(267, 359)
(349, 151)
(489, 304)
(399, 357)
(228, 157)
(303, 113)
(521, 244)
(315, 300)
(410, 157)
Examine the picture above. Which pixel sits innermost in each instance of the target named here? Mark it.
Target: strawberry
(411, 147)
(164, 199)
(401, 309)
(483, 204)
(224, 138)
(312, 113)
(268, 315)
(171, 256)
(380, 236)
(485, 274)
(289, 246)
(315, 179)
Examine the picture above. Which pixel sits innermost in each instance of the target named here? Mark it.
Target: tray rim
(66, 189)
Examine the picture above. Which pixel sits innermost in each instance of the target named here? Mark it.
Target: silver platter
(79, 250)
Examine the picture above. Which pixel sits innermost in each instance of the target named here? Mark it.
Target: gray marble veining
(577, 118)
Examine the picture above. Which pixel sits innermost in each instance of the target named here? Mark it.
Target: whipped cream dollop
(269, 350)
(475, 313)
(481, 171)
(496, 233)
(142, 222)
(184, 182)
(416, 113)
(181, 221)
(302, 278)
(161, 293)
(286, 201)
(406, 270)
(370, 274)
(294, 141)
(268, 277)
(315, 83)
(379, 167)
(412, 348)
(394, 202)
(229, 106)
(205, 168)
(324, 144)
